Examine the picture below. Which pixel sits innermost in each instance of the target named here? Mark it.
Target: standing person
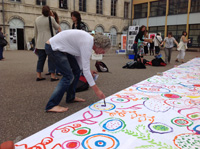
(71, 51)
(182, 47)
(55, 16)
(2, 36)
(140, 46)
(77, 21)
(157, 42)
(42, 34)
(152, 46)
(169, 44)
(138, 36)
(146, 43)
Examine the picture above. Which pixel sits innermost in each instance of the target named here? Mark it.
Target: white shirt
(156, 42)
(79, 44)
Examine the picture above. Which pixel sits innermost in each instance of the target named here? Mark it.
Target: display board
(132, 32)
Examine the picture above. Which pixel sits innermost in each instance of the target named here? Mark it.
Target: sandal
(58, 74)
(47, 74)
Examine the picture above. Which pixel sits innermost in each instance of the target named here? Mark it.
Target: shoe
(176, 60)
(58, 74)
(47, 74)
(54, 79)
(40, 79)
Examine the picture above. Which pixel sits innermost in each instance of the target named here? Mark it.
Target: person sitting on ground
(71, 51)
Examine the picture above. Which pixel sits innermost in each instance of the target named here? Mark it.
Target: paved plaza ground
(23, 100)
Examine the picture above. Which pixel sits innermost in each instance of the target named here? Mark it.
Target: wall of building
(27, 11)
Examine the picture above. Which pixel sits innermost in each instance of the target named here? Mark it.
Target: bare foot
(58, 109)
(79, 99)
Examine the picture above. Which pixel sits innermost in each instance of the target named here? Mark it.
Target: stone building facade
(108, 16)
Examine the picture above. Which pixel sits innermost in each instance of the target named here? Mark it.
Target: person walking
(42, 34)
(2, 36)
(169, 44)
(182, 47)
(77, 21)
(157, 43)
(71, 51)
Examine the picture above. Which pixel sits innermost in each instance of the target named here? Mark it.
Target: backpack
(134, 64)
(82, 84)
(101, 67)
(158, 62)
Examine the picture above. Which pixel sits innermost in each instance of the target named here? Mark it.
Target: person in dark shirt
(77, 23)
(139, 36)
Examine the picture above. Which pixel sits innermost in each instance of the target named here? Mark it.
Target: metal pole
(3, 13)
(131, 12)
(74, 5)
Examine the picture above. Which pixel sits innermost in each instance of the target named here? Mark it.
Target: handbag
(3, 42)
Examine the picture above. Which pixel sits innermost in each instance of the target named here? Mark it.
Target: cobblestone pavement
(23, 100)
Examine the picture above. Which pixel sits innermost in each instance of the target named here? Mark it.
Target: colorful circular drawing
(178, 103)
(83, 131)
(181, 121)
(119, 100)
(194, 116)
(197, 129)
(71, 144)
(113, 124)
(160, 128)
(187, 141)
(98, 106)
(171, 96)
(101, 141)
(152, 89)
(145, 98)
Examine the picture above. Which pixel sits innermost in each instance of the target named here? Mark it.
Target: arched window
(64, 26)
(99, 29)
(113, 33)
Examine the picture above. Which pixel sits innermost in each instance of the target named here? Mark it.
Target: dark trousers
(157, 49)
(70, 70)
(1, 52)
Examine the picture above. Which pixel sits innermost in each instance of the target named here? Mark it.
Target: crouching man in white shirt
(71, 51)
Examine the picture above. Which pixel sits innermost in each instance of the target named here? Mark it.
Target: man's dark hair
(184, 33)
(77, 15)
(170, 33)
(158, 34)
(46, 11)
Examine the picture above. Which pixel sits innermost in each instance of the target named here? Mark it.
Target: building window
(63, 4)
(41, 2)
(99, 6)
(194, 35)
(113, 33)
(82, 5)
(99, 29)
(126, 6)
(140, 10)
(157, 29)
(176, 31)
(195, 6)
(178, 6)
(113, 7)
(16, 0)
(158, 8)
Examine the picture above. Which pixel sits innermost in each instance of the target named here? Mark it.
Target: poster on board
(123, 42)
(132, 32)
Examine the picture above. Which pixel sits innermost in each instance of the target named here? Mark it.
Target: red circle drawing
(82, 131)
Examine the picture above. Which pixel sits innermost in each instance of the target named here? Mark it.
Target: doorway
(20, 39)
